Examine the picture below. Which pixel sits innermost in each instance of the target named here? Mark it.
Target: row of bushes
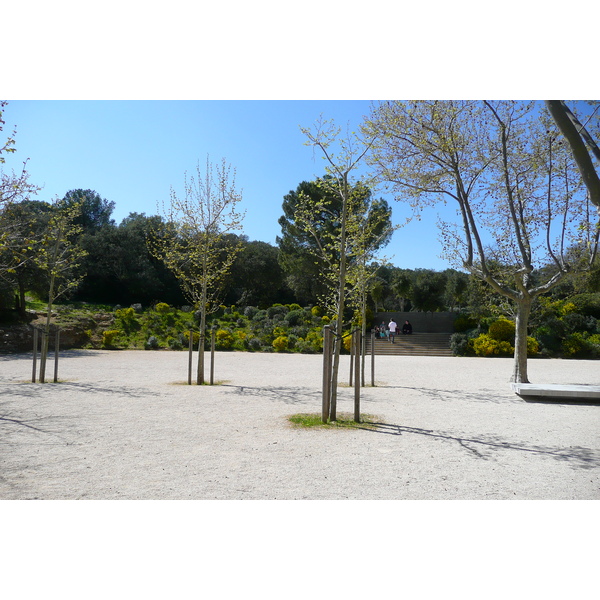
(562, 328)
(559, 328)
(280, 328)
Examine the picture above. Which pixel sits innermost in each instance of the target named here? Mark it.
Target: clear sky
(133, 152)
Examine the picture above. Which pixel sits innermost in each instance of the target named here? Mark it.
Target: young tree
(191, 242)
(519, 200)
(58, 256)
(339, 244)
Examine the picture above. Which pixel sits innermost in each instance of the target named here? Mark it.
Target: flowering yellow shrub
(280, 343)
(224, 339)
(109, 337)
(485, 345)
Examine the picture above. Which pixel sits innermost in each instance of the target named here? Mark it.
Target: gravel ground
(123, 425)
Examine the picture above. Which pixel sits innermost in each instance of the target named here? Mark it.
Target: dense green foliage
(270, 317)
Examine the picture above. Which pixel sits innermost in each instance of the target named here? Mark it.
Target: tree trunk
(520, 363)
(341, 305)
(200, 374)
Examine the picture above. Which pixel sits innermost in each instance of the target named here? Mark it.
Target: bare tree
(520, 202)
(192, 245)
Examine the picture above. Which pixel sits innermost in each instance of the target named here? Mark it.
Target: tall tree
(257, 278)
(191, 242)
(58, 256)
(518, 197)
(340, 243)
(95, 211)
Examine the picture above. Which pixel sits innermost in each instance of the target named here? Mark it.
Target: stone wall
(422, 322)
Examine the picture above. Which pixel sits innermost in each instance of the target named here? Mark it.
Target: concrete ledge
(550, 390)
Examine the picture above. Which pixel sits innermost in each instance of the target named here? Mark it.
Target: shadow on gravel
(484, 447)
(63, 354)
(37, 390)
(288, 395)
(13, 429)
(493, 396)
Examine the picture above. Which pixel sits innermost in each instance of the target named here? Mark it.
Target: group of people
(390, 330)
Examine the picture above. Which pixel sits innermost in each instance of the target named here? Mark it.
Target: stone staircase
(416, 344)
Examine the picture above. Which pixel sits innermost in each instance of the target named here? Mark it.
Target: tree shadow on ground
(37, 390)
(51, 428)
(63, 354)
(288, 395)
(486, 396)
(484, 447)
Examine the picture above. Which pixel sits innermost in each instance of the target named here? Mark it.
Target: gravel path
(123, 425)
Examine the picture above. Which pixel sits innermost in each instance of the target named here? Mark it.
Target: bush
(485, 345)
(294, 317)
(580, 345)
(316, 311)
(126, 320)
(294, 307)
(259, 316)
(162, 308)
(532, 346)
(174, 343)
(253, 344)
(152, 343)
(109, 337)
(280, 343)
(461, 345)
(224, 340)
(277, 310)
(502, 330)
(578, 322)
(250, 311)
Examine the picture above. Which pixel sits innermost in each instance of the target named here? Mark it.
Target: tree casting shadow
(483, 447)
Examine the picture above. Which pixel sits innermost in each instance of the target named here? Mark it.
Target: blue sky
(133, 152)
(125, 106)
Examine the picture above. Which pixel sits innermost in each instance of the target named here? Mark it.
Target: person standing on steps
(392, 327)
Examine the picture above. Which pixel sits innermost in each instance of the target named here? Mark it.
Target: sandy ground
(123, 425)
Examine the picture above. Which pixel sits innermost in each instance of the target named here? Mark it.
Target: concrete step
(417, 344)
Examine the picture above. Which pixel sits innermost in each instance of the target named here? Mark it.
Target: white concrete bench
(557, 391)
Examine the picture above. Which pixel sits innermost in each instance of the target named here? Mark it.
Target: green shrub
(162, 308)
(152, 343)
(294, 317)
(277, 310)
(294, 307)
(461, 345)
(126, 320)
(253, 343)
(280, 343)
(502, 330)
(316, 311)
(174, 343)
(109, 337)
(581, 345)
(250, 311)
